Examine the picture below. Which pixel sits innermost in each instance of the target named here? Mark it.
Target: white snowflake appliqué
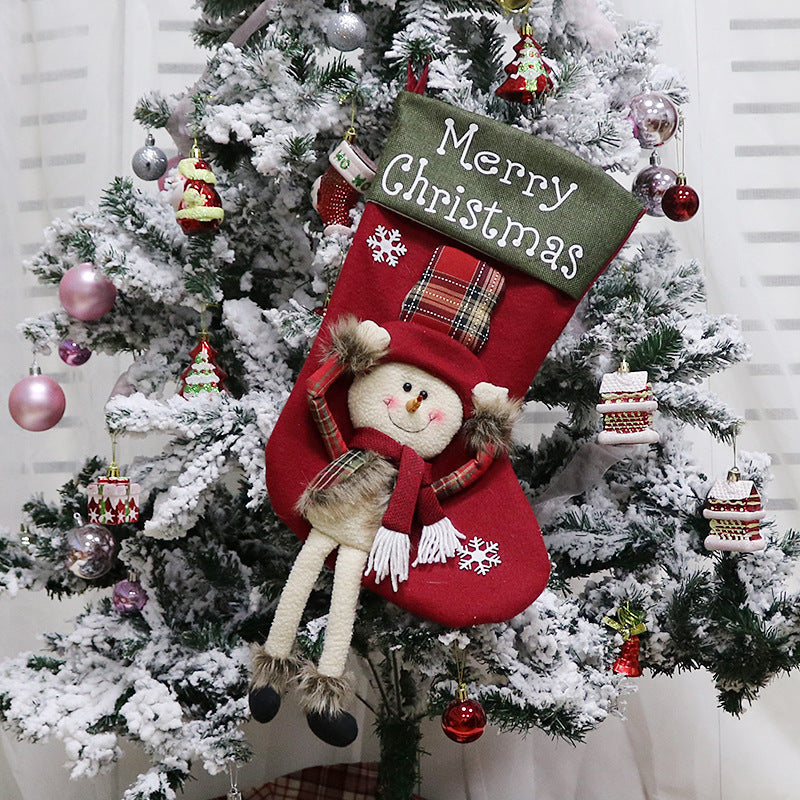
(386, 246)
(479, 555)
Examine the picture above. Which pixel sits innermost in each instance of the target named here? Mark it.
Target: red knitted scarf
(412, 492)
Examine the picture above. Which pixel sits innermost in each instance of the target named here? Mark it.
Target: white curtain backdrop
(70, 72)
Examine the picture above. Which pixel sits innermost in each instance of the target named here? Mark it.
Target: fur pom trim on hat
(358, 345)
(493, 418)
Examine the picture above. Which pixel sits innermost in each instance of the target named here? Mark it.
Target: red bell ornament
(528, 78)
(464, 720)
(629, 623)
(680, 202)
(200, 210)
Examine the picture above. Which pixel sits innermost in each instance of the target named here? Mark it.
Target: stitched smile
(407, 430)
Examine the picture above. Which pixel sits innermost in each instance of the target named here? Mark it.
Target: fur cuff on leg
(323, 694)
(267, 670)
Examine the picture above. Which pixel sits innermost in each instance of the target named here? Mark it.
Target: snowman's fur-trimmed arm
(490, 426)
(358, 346)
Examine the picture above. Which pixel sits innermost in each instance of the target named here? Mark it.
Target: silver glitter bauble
(149, 162)
(651, 183)
(346, 31)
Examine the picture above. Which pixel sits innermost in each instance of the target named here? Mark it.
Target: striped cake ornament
(627, 406)
(733, 509)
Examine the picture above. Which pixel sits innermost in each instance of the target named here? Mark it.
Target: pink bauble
(36, 403)
(85, 293)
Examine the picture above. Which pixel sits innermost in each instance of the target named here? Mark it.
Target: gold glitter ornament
(514, 6)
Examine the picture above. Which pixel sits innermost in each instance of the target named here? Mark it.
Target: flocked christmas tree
(623, 523)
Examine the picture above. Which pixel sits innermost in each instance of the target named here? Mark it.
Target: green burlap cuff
(516, 198)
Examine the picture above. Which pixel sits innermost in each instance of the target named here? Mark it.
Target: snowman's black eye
(423, 395)
(407, 387)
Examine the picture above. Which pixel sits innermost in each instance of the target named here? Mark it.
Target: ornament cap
(34, 369)
(195, 151)
(624, 366)
(461, 692)
(350, 135)
(149, 140)
(655, 159)
(681, 179)
(734, 474)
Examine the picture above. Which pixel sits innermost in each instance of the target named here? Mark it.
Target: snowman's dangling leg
(325, 689)
(273, 665)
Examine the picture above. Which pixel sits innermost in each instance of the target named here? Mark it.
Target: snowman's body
(417, 410)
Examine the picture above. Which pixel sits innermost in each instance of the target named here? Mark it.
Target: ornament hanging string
(233, 774)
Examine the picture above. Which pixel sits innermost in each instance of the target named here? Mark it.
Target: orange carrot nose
(413, 405)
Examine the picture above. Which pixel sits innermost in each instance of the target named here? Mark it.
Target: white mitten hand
(372, 336)
(487, 394)
(389, 556)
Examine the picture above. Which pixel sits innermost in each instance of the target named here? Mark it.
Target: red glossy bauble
(680, 202)
(464, 721)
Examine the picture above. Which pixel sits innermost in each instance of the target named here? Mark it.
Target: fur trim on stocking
(267, 670)
(491, 424)
(323, 694)
(358, 345)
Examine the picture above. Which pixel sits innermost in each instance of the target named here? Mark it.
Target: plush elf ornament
(476, 243)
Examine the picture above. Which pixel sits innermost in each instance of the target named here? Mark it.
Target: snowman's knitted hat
(445, 320)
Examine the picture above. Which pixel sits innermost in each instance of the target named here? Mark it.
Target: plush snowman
(406, 403)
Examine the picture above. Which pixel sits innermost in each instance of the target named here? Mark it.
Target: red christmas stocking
(548, 223)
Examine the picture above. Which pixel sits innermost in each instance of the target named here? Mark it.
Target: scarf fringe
(389, 556)
(438, 542)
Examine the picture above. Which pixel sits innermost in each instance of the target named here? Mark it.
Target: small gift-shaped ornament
(200, 209)
(627, 407)
(528, 78)
(629, 623)
(336, 191)
(733, 509)
(203, 377)
(113, 500)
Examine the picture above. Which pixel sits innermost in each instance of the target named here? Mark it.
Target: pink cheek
(436, 416)
(391, 402)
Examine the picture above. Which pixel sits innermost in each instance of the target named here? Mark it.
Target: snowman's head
(408, 404)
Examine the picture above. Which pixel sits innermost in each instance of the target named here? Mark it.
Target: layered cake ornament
(627, 407)
(733, 509)
(113, 499)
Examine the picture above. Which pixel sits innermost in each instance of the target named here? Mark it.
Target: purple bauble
(649, 187)
(129, 596)
(654, 117)
(85, 293)
(90, 551)
(73, 354)
(36, 403)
